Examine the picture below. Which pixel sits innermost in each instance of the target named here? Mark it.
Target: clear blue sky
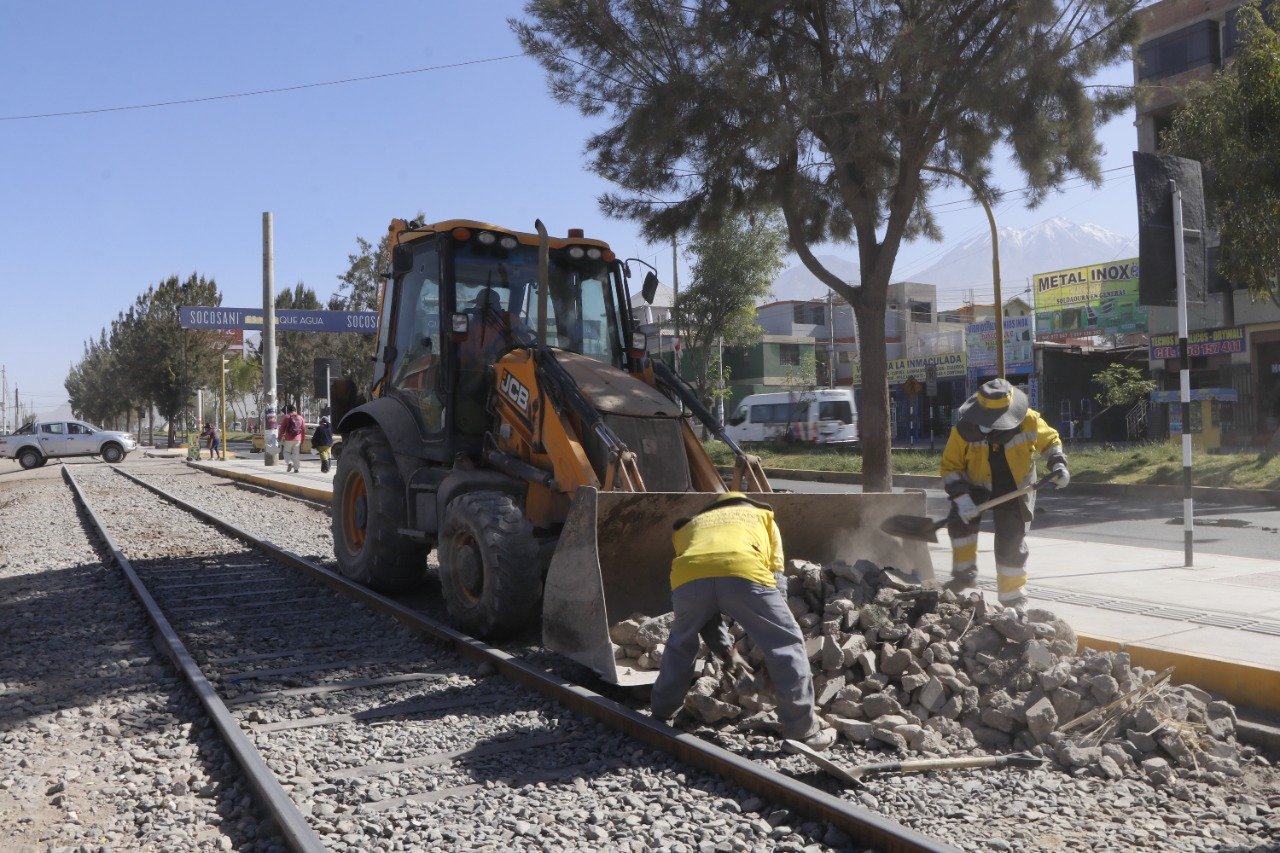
(99, 206)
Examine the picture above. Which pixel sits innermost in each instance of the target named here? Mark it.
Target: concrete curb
(1210, 494)
(296, 489)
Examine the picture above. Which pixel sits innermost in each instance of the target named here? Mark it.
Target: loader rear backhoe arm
(622, 473)
(748, 475)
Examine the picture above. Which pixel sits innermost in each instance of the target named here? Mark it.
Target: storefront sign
(1229, 395)
(1200, 343)
(287, 319)
(1089, 300)
(948, 366)
(980, 341)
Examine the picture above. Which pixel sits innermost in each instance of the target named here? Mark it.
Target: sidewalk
(1218, 623)
(309, 483)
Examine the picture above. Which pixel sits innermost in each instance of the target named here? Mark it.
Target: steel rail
(879, 832)
(273, 798)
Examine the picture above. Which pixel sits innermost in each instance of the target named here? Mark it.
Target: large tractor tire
(30, 458)
(490, 573)
(368, 512)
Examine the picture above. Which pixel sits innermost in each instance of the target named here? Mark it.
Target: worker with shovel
(992, 452)
(726, 559)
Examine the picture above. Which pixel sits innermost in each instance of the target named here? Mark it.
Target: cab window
(52, 429)
(78, 429)
(418, 340)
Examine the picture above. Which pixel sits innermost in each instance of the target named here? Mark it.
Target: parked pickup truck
(36, 443)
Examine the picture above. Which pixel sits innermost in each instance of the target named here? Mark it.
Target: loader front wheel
(368, 512)
(490, 574)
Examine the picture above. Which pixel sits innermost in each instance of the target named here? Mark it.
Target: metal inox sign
(287, 319)
(1094, 299)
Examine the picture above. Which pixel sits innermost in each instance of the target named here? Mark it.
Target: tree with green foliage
(733, 269)
(296, 351)
(1121, 385)
(360, 290)
(836, 112)
(1230, 124)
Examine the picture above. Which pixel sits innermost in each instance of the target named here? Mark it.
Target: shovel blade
(914, 527)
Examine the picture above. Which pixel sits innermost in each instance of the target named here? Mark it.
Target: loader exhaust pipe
(544, 279)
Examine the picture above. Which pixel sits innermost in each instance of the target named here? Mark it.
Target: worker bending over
(726, 560)
(991, 452)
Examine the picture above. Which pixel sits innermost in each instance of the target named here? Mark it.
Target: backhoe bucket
(614, 558)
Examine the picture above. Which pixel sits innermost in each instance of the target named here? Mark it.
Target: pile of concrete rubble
(911, 667)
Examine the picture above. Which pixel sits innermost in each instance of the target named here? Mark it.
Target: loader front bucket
(614, 558)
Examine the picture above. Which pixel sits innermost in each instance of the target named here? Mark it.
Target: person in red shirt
(292, 431)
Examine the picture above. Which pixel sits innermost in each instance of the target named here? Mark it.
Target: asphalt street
(1235, 530)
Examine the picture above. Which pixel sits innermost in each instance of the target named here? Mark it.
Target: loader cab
(463, 294)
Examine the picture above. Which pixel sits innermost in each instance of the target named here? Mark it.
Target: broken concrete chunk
(1042, 719)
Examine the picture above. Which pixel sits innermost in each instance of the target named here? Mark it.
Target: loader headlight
(487, 238)
(577, 252)
(593, 253)
(507, 243)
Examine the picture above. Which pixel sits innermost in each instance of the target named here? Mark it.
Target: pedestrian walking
(322, 441)
(992, 451)
(728, 560)
(214, 438)
(292, 431)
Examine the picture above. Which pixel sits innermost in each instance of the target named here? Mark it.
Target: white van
(823, 416)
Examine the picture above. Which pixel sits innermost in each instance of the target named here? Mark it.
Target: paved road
(1241, 531)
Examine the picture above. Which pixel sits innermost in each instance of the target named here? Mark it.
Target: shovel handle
(1017, 493)
(972, 762)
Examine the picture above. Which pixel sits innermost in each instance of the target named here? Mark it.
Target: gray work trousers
(1011, 548)
(763, 614)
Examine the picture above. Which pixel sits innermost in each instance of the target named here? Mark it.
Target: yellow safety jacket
(736, 539)
(966, 461)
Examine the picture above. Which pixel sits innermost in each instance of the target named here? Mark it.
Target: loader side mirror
(459, 324)
(401, 260)
(639, 345)
(650, 288)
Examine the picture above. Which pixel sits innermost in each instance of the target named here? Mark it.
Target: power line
(251, 94)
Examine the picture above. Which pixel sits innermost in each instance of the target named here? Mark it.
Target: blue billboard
(287, 319)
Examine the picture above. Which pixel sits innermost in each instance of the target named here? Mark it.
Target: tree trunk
(873, 419)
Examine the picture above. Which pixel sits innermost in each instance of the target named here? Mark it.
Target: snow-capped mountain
(1054, 244)
(1051, 245)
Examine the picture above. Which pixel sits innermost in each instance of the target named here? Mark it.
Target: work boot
(822, 740)
(1019, 604)
(962, 580)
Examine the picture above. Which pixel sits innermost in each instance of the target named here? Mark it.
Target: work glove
(965, 508)
(1061, 475)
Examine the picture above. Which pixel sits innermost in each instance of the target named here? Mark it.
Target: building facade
(1235, 338)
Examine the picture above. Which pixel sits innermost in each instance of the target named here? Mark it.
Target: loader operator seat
(487, 339)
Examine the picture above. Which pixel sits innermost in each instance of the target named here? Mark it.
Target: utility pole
(268, 338)
(831, 351)
(4, 400)
(1184, 372)
(222, 407)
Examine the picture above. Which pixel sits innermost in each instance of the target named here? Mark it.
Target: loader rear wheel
(368, 512)
(490, 574)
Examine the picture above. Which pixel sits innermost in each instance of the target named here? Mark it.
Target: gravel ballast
(623, 796)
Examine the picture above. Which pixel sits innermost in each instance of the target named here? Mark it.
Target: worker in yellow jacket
(729, 559)
(992, 451)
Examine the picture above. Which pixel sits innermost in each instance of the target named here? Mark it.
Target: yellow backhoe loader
(517, 424)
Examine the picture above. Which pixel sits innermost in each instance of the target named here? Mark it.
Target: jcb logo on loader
(514, 391)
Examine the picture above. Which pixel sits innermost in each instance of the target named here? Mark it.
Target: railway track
(336, 713)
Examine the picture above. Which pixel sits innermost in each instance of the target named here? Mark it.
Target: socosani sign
(287, 319)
